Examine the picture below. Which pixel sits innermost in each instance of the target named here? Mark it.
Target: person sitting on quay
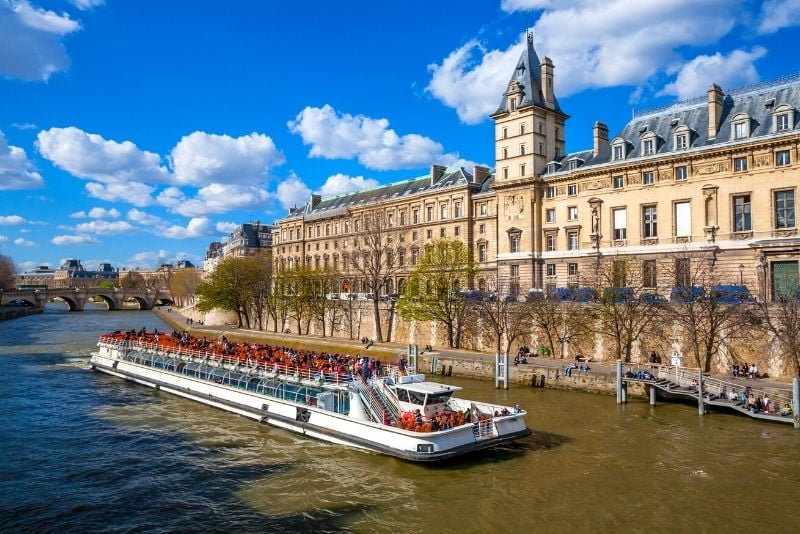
(767, 403)
(786, 411)
(568, 369)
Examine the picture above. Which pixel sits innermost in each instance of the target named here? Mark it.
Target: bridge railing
(688, 378)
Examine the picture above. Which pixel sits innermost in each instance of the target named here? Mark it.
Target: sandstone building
(714, 178)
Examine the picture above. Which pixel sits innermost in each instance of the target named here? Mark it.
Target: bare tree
(708, 320)
(374, 257)
(782, 319)
(183, 285)
(8, 272)
(507, 318)
(624, 310)
(559, 322)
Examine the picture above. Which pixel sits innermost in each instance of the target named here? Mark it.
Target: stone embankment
(15, 312)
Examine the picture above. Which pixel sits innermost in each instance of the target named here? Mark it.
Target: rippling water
(82, 451)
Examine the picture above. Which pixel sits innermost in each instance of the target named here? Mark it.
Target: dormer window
(740, 126)
(681, 137)
(553, 166)
(574, 163)
(649, 143)
(618, 151)
(782, 118)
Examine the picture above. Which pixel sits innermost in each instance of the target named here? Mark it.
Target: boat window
(416, 397)
(402, 394)
(439, 398)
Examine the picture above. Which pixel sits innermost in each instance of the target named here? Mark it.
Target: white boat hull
(311, 421)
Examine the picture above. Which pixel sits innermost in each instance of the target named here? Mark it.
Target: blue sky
(138, 132)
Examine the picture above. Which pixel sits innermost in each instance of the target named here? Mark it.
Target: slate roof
(757, 101)
(338, 205)
(528, 74)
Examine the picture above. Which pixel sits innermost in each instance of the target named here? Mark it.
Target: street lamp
(741, 274)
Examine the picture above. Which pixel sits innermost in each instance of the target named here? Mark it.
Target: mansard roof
(528, 75)
(756, 102)
(339, 205)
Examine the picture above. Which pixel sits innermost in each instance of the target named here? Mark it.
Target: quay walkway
(674, 382)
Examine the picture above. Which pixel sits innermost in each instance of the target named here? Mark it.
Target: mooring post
(796, 401)
(652, 395)
(500, 370)
(619, 382)
(700, 406)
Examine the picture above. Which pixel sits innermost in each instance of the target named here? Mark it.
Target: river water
(83, 451)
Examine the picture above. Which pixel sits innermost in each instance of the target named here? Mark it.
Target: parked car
(731, 294)
(560, 294)
(535, 294)
(682, 295)
(652, 298)
(617, 294)
(365, 296)
(584, 294)
(332, 296)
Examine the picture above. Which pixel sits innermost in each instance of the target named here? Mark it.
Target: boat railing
(378, 409)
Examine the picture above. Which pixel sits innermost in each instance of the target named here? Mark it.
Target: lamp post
(741, 274)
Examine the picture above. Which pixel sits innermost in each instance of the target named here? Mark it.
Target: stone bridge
(76, 297)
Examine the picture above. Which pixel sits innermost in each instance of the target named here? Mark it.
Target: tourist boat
(398, 413)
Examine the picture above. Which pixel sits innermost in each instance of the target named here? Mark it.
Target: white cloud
(11, 220)
(87, 155)
(203, 159)
(509, 6)
(340, 135)
(144, 218)
(292, 192)
(73, 240)
(341, 183)
(84, 5)
(134, 193)
(778, 14)
(16, 172)
(734, 70)
(215, 198)
(197, 227)
(96, 213)
(30, 40)
(226, 227)
(104, 227)
(3, 239)
(619, 43)
(24, 242)
(24, 125)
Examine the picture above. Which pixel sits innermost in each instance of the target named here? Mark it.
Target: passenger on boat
(786, 411)
(517, 409)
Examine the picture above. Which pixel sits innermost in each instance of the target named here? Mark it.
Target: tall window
(522, 149)
(782, 122)
(401, 257)
(550, 215)
(522, 129)
(481, 228)
(457, 209)
(402, 218)
(514, 289)
(551, 242)
(482, 252)
(572, 269)
(648, 147)
(572, 189)
(620, 224)
(649, 275)
(415, 216)
(681, 141)
(551, 269)
(683, 274)
(618, 181)
(572, 240)
(784, 209)
(550, 192)
(742, 221)
(414, 256)
(740, 164)
(649, 222)
(442, 232)
(514, 242)
(483, 209)
(505, 133)
(680, 173)
(619, 152)
(648, 178)
(740, 130)
(683, 219)
(505, 173)
(522, 170)
(443, 211)
(783, 158)
(505, 153)
(429, 210)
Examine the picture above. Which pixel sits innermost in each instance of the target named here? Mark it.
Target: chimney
(547, 81)
(437, 171)
(715, 101)
(600, 137)
(479, 174)
(315, 200)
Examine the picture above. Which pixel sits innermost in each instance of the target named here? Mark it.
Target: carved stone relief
(711, 168)
(664, 175)
(762, 161)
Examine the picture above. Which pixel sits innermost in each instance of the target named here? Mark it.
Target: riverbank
(600, 377)
(15, 312)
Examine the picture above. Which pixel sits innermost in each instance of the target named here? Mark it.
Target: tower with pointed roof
(529, 133)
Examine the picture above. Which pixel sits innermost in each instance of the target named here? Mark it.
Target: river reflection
(85, 451)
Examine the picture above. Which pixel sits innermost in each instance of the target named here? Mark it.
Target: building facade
(248, 239)
(713, 179)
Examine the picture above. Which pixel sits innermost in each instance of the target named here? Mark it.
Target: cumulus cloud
(202, 159)
(225, 227)
(30, 40)
(104, 227)
(197, 227)
(96, 213)
(73, 240)
(24, 242)
(11, 220)
(340, 135)
(134, 193)
(341, 183)
(732, 70)
(292, 192)
(16, 172)
(144, 218)
(214, 198)
(88, 155)
(778, 14)
(619, 43)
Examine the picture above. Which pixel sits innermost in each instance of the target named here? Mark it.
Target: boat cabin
(430, 398)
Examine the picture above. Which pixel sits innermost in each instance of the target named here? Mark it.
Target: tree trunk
(377, 314)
